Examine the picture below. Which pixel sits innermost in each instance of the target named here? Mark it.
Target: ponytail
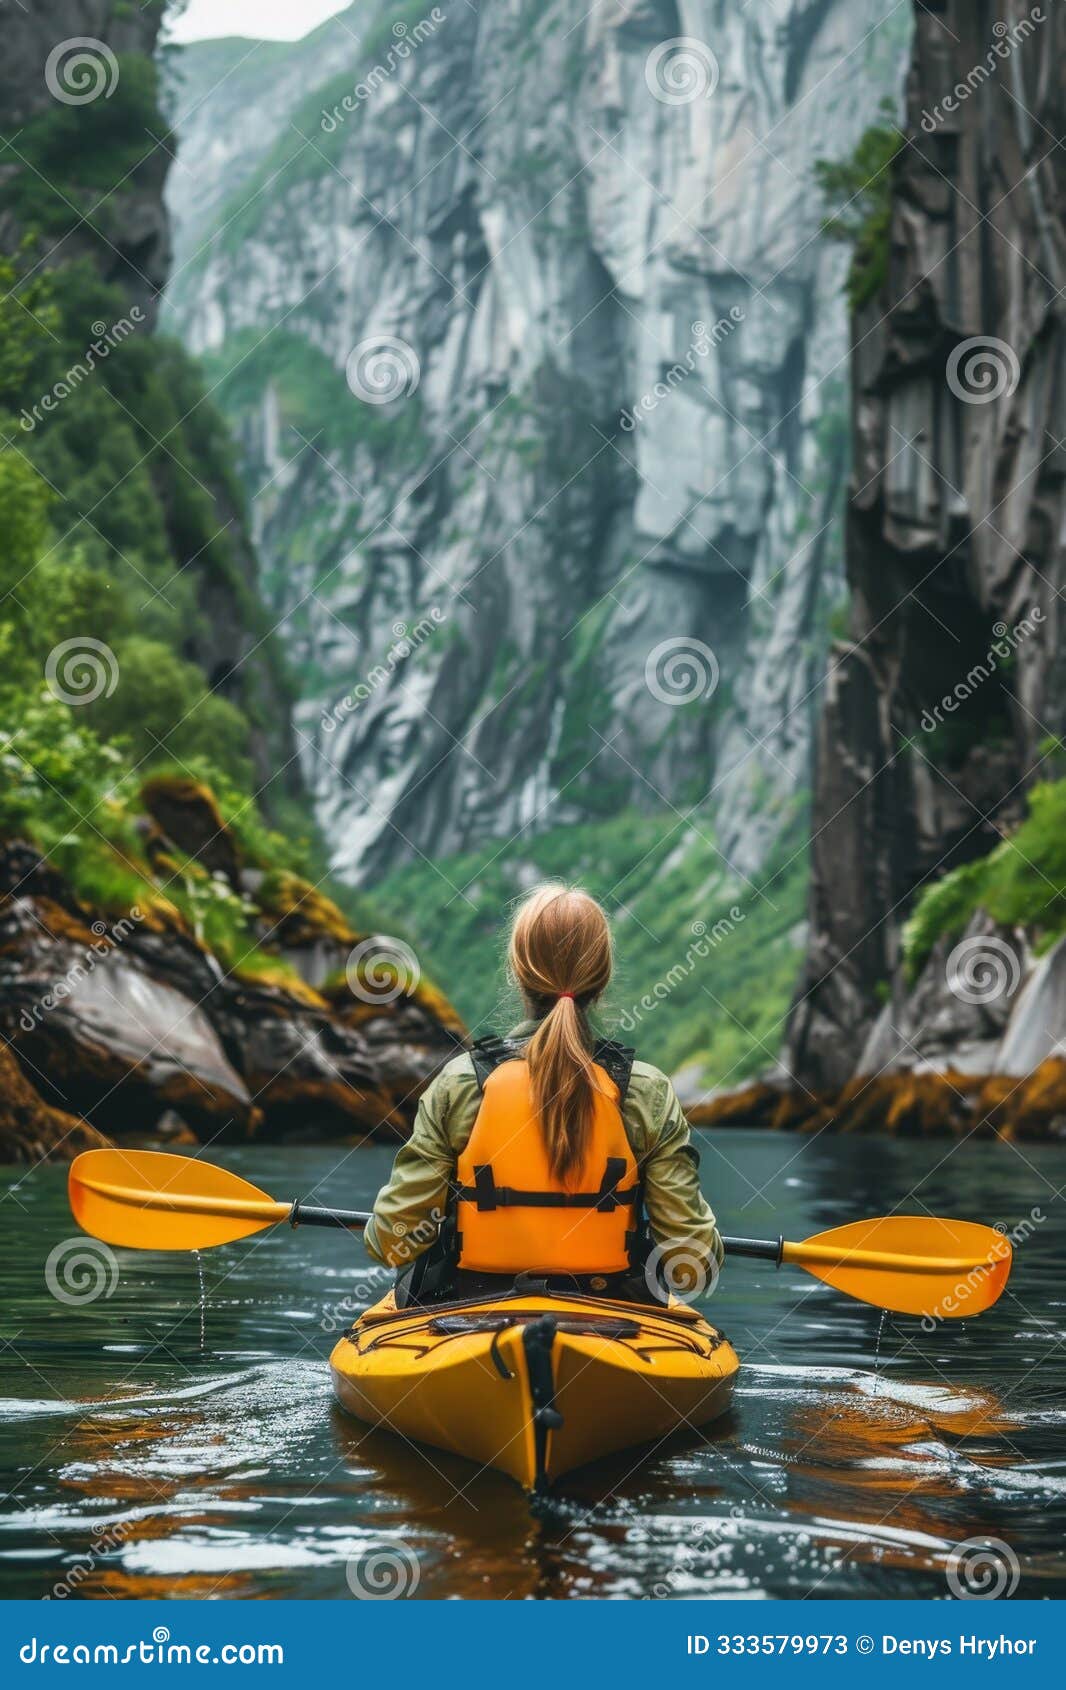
(560, 957)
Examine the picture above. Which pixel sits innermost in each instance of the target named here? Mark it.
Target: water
(144, 1457)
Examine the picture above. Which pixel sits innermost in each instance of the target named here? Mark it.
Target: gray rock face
(591, 268)
(101, 1035)
(957, 509)
(1037, 1027)
(964, 1012)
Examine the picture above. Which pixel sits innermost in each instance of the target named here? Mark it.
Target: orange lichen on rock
(30, 1129)
(752, 1105)
(905, 1103)
(300, 913)
(1030, 1107)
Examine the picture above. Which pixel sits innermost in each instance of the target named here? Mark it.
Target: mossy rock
(380, 979)
(301, 913)
(1021, 882)
(188, 813)
(30, 1129)
(262, 969)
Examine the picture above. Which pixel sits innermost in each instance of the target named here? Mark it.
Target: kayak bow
(534, 1385)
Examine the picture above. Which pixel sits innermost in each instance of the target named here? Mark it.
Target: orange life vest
(514, 1215)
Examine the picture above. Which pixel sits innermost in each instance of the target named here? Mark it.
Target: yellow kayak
(534, 1385)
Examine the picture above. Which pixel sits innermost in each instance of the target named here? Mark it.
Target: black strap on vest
(488, 1053)
(615, 1059)
(487, 1195)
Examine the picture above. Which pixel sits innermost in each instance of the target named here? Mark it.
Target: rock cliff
(163, 967)
(537, 358)
(946, 703)
(577, 252)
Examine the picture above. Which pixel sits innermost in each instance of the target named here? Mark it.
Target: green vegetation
(122, 547)
(312, 396)
(860, 190)
(73, 156)
(110, 537)
(1020, 883)
(725, 1008)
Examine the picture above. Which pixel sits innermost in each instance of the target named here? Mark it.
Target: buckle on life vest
(608, 1194)
(485, 1194)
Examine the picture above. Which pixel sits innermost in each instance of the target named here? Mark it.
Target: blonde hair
(561, 958)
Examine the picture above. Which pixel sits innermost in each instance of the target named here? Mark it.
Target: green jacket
(410, 1207)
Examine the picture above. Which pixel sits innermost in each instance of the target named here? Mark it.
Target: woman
(548, 1154)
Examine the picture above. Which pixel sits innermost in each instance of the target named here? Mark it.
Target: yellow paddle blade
(149, 1200)
(912, 1264)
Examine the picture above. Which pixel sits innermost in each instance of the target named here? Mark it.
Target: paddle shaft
(763, 1249)
(353, 1220)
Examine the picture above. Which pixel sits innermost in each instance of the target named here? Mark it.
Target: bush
(861, 186)
(1020, 883)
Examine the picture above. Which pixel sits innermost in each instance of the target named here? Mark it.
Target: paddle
(912, 1264)
(149, 1200)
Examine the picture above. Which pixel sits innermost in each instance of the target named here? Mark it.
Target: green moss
(72, 157)
(138, 477)
(861, 188)
(1020, 883)
(312, 396)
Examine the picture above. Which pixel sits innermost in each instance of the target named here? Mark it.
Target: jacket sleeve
(410, 1207)
(681, 1220)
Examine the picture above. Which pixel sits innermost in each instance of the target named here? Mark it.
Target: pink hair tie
(563, 995)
